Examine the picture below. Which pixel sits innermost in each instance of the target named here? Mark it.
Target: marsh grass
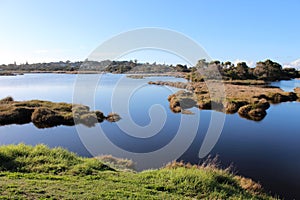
(242, 96)
(45, 114)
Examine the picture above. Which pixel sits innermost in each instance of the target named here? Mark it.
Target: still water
(149, 133)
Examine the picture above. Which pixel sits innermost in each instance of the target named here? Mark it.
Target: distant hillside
(102, 66)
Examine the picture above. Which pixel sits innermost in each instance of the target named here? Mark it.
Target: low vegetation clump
(135, 76)
(113, 117)
(252, 111)
(28, 172)
(278, 97)
(250, 101)
(297, 91)
(45, 114)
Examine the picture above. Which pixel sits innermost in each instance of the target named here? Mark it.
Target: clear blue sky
(53, 30)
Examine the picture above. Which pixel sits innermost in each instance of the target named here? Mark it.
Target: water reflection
(267, 151)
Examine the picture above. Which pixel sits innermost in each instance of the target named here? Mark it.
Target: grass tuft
(41, 159)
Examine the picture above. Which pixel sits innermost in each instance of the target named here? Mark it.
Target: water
(287, 85)
(267, 151)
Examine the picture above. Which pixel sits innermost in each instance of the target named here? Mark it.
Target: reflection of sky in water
(267, 151)
(38, 86)
(287, 85)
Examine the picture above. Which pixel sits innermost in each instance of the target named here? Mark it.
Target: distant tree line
(51, 66)
(104, 66)
(264, 70)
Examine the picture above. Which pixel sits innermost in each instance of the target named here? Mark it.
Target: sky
(53, 30)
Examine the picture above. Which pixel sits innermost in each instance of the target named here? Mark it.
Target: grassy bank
(38, 172)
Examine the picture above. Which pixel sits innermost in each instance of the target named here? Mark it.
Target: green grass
(41, 159)
(41, 173)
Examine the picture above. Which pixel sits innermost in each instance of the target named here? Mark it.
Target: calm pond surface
(267, 151)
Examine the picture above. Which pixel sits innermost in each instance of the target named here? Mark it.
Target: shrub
(6, 100)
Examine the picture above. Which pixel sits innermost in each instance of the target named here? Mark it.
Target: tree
(227, 63)
(268, 70)
(182, 68)
(242, 71)
(201, 63)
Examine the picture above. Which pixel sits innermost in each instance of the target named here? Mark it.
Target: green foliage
(264, 70)
(194, 77)
(182, 68)
(268, 70)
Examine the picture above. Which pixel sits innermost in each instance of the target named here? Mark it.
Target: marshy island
(46, 114)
